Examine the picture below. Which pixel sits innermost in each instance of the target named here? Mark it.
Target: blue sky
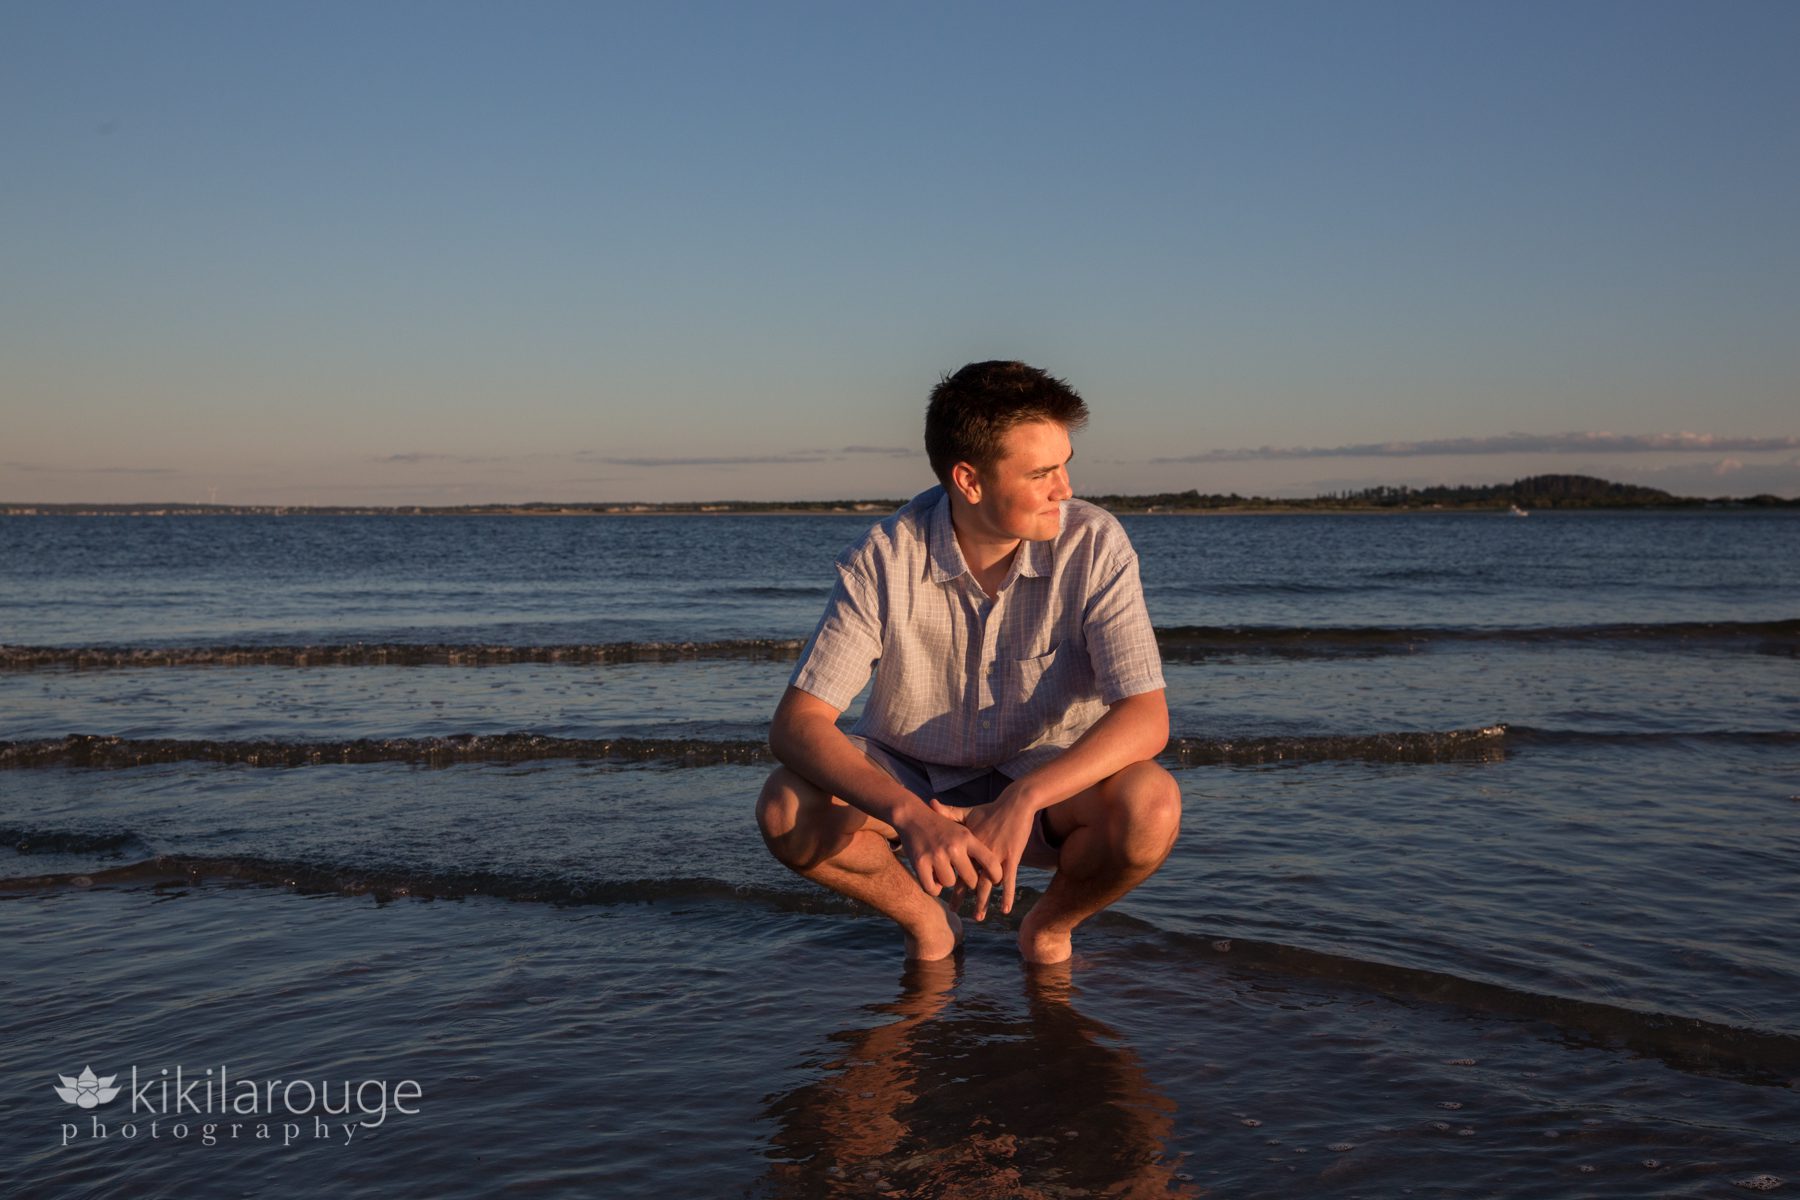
(450, 253)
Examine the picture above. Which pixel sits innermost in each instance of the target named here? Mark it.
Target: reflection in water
(961, 1099)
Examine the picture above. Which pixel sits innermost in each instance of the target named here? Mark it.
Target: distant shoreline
(1522, 496)
(1271, 509)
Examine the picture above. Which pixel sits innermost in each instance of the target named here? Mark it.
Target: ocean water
(1486, 883)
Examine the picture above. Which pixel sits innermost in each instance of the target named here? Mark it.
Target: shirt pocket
(1028, 675)
(1033, 694)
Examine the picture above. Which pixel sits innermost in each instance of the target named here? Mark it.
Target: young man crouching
(1018, 697)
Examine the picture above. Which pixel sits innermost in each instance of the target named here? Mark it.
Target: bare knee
(782, 811)
(1144, 814)
(778, 808)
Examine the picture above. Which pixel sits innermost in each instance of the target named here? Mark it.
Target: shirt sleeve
(839, 657)
(1121, 644)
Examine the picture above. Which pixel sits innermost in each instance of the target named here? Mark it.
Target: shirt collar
(1037, 558)
(947, 561)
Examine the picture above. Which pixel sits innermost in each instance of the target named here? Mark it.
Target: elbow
(792, 727)
(781, 740)
(1153, 724)
(1158, 738)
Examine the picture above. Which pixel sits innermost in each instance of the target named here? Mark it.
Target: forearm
(1133, 730)
(808, 742)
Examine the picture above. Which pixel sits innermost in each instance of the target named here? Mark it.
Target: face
(1021, 494)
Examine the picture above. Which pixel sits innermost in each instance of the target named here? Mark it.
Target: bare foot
(940, 941)
(1043, 946)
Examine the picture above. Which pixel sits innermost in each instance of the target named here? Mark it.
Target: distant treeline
(1534, 492)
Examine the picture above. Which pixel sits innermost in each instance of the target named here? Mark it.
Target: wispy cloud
(415, 457)
(410, 489)
(40, 468)
(730, 460)
(891, 450)
(1510, 443)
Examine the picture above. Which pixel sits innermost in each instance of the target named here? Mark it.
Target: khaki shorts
(910, 773)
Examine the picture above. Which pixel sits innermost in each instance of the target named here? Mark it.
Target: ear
(967, 480)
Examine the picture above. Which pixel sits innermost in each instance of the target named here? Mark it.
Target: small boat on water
(1519, 512)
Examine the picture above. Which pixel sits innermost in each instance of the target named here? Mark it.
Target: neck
(988, 556)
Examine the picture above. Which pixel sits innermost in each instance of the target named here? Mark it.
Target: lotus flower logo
(87, 1090)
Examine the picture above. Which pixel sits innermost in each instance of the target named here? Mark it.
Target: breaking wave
(390, 654)
(95, 751)
(1194, 642)
(1179, 643)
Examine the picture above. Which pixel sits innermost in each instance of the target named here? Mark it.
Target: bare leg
(825, 840)
(1115, 835)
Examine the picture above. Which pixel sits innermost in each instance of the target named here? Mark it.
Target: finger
(966, 874)
(982, 893)
(1012, 883)
(928, 876)
(993, 867)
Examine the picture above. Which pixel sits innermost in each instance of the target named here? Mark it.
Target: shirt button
(986, 724)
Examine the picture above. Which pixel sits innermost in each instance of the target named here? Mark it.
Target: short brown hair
(971, 411)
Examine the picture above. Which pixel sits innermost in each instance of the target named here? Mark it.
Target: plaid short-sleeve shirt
(966, 683)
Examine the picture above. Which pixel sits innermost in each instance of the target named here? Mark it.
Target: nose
(1062, 490)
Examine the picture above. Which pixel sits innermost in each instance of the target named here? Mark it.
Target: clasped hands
(959, 848)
